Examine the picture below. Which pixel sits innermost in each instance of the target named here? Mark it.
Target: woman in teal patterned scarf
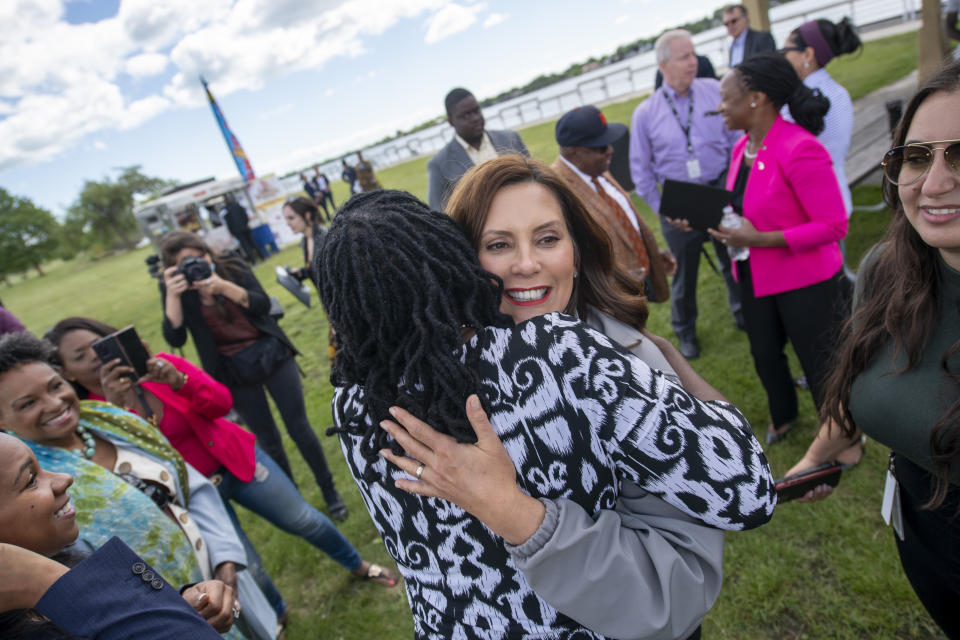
(129, 481)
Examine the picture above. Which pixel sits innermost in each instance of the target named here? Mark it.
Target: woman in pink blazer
(791, 283)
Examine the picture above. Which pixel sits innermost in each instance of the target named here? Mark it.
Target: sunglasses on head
(907, 164)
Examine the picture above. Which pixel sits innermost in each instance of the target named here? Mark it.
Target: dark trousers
(324, 196)
(930, 550)
(809, 317)
(249, 247)
(287, 392)
(686, 246)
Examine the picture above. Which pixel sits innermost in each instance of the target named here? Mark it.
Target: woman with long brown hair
(226, 311)
(897, 373)
(530, 229)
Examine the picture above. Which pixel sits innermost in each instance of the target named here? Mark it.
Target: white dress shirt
(611, 190)
(486, 151)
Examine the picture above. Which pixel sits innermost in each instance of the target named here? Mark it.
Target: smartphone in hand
(126, 345)
(797, 485)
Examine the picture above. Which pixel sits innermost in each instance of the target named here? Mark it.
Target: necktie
(633, 235)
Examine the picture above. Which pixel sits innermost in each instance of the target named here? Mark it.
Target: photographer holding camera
(219, 300)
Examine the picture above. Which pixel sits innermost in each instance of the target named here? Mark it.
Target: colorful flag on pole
(243, 163)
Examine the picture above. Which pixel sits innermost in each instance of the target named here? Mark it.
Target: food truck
(197, 207)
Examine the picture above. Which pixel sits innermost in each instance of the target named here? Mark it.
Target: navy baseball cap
(587, 127)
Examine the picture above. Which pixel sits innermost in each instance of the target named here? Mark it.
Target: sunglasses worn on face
(731, 21)
(909, 163)
(784, 51)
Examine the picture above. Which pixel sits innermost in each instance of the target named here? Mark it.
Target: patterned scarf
(107, 506)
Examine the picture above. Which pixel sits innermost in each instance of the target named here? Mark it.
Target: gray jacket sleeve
(520, 146)
(436, 184)
(644, 571)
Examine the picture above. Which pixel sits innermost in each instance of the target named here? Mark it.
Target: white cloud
(452, 18)
(99, 145)
(621, 19)
(60, 82)
(146, 64)
(494, 19)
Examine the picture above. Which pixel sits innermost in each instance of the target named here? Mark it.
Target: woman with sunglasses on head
(228, 315)
(808, 49)
(792, 285)
(897, 369)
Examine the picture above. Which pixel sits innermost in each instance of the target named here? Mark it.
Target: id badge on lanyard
(693, 168)
(693, 165)
(890, 507)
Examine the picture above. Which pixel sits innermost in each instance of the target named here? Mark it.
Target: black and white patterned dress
(576, 413)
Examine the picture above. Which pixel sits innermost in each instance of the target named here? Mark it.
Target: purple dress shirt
(658, 146)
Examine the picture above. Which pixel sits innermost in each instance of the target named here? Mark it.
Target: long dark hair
(902, 305)
(74, 323)
(602, 282)
(772, 75)
(228, 267)
(399, 282)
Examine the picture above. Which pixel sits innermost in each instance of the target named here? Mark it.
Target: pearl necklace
(89, 444)
(751, 156)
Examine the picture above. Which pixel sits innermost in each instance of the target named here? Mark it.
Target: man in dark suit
(746, 41)
(586, 148)
(238, 223)
(471, 145)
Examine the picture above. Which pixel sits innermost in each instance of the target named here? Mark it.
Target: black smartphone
(797, 485)
(126, 345)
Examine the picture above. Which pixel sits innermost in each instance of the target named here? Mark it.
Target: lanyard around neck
(685, 129)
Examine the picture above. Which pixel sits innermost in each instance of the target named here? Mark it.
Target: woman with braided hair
(792, 285)
(419, 326)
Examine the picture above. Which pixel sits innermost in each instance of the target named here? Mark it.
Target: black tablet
(700, 204)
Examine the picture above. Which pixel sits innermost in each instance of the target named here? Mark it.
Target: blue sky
(87, 86)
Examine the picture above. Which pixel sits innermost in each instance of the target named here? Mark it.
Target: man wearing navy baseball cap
(586, 138)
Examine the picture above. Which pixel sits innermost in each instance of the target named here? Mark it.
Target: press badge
(890, 507)
(693, 168)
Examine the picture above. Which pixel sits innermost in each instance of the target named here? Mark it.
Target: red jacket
(194, 424)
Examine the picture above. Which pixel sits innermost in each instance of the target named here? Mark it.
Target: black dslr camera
(195, 269)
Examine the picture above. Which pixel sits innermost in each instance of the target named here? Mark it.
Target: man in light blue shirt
(673, 137)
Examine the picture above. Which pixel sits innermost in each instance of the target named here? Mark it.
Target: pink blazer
(792, 188)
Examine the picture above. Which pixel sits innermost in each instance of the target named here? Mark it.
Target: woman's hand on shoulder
(480, 478)
(174, 281)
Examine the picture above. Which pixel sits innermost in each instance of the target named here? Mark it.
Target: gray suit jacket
(447, 167)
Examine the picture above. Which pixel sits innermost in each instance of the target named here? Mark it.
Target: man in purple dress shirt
(672, 137)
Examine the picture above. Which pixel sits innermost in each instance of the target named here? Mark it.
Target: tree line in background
(577, 68)
(99, 221)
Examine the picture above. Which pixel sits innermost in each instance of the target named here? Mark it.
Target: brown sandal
(381, 575)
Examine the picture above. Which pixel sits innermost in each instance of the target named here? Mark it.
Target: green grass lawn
(826, 570)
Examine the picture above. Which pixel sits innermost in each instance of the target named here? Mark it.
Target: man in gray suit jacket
(471, 145)
(746, 41)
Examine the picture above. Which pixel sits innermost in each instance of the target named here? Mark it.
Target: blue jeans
(273, 496)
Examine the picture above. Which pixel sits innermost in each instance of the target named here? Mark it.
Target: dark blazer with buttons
(107, 597)
(756, 42)
(447, 167)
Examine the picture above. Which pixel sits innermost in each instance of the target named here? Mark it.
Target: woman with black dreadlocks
(419, 326)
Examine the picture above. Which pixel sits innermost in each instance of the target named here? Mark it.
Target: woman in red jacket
(189, 406)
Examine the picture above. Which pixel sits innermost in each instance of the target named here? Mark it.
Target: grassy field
(827, 570)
